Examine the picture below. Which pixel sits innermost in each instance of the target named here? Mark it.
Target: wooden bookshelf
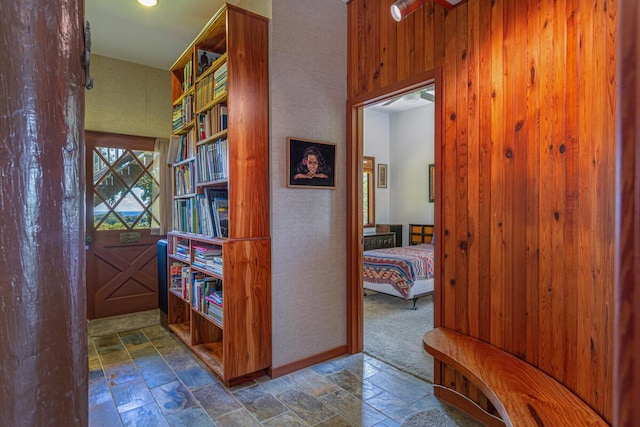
(233, 337)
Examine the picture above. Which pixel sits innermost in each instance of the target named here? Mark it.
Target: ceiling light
(411, 97)
(402, 8)
(148, 3)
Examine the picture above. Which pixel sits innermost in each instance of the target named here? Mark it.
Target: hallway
(147, 377)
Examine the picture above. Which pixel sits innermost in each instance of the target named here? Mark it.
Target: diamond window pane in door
(130, 209)
(110, 189)
(122, 188)
(112, 222)
(129, 169)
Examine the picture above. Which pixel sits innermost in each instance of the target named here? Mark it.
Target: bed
(405, 272)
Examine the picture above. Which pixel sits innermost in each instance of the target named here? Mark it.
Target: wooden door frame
(95, 139)
(355, 230)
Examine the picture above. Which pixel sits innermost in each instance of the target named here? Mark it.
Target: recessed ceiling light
(148, 3)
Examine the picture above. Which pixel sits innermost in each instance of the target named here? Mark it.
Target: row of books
(183, 180)
(203, 292)
(180, 280)
(187, 76)
(203, 286)
(213, 161)
(206, 214)
(220, 81)
(218, 203)
(185, 145)
(212, 121)
(184, 216)
(183, 112)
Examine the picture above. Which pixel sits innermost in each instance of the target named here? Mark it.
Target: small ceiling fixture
(148, 3)
(402, 8)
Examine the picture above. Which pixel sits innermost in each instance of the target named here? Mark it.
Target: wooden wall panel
(527, 161)
(626, 411)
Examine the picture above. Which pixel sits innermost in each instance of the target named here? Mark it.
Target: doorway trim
(355, 230)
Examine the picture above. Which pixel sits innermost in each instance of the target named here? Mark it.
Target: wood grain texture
(626, 389)
(247, 306)
(248, 103)
(522, 394)
(527, 207)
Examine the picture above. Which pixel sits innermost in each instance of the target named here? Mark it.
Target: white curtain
(162, 193)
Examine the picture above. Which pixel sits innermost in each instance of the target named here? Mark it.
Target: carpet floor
(393, 332)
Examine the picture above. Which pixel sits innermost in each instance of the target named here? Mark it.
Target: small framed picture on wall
(311, 164)
(432, 182)
(382, 175)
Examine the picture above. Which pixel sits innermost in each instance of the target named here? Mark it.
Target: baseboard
(467, 405)
(309, 361)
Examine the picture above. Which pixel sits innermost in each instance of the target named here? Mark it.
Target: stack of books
(214, 305)
(208, 258)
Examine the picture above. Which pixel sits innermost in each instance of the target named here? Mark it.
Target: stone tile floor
(147, 377)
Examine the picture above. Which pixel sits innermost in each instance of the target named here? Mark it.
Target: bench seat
(522, 394)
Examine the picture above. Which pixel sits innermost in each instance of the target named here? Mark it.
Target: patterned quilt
(399, 267)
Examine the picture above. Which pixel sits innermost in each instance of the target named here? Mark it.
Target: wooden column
(626, 412)
(43, 334)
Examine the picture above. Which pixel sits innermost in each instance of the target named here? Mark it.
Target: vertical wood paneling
(547, 327)
(483, 231)
(519, 128)
(556, 215)
(626, 411)
(570, 144)
(429, 36)
(449, 171)
(473, 147)
(587, 201)
(498, 302)
(460, 235)
(533, 182)
(526, 165)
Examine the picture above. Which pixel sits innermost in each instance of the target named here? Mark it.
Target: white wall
(412, 135)
(308, 72)
(376, 144)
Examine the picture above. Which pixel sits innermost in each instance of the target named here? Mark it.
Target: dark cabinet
(393, 228)
(379, 241)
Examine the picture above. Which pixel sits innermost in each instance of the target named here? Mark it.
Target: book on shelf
(221, 216)
(212, 194)
(212, 121)
(187, 76)
(213, 161)
(172, 151)
(175, 277)
(183, 180)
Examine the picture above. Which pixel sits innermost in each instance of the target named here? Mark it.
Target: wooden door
(121, 252)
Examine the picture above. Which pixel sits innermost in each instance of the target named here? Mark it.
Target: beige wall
(128, 98)
(261, 7)
(308, 96)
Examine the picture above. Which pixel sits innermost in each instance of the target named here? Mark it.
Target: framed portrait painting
(310, 164)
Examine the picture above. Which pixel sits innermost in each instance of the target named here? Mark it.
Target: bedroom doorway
(383, 129)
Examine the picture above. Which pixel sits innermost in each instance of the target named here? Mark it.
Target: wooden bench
(522, 394)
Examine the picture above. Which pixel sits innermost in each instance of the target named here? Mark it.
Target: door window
(123, 189)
